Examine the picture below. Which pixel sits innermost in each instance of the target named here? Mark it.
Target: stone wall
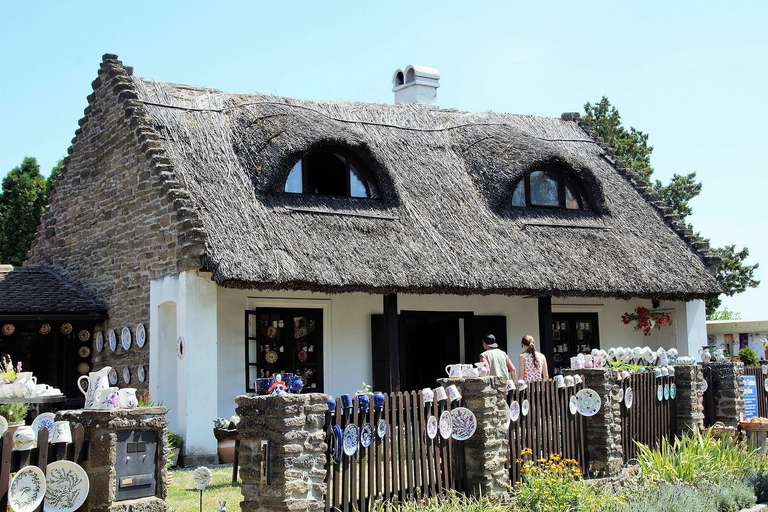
(605, 451)
(690, 407)
(728, 388)
(112, 223)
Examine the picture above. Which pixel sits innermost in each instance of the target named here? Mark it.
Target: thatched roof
(27, 290)
(444, 225)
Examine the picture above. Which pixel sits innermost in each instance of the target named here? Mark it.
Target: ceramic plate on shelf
(140, 373)
(463, 423)
(113, 378)
(588, 402)
(99, 341)
(514, 410)
(660, 393)
(27, 489)
(67, 486)
(43, 420)
(141, 335)
(351, 439)
(366, 435)
(573, 405)
(446, 425)
(629, 398)
(525, 407)
(672, 391)
(112, 340)
(432, 427)
(125, 338)
(336, 439)
(381, 428)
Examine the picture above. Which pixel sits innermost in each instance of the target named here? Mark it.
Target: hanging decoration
(66, 328)
(84, 335)
(45, 329)
(646, 320)
(8, 329)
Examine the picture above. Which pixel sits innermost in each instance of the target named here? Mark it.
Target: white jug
(127, 398)
(95, 381)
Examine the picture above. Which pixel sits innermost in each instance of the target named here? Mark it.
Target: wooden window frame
(350, 161)
(562, 178)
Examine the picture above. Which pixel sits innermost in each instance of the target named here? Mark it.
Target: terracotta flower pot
(226, 450)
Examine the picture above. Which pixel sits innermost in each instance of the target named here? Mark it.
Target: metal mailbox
(136, 465)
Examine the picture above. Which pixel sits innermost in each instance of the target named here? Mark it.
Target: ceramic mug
(483, 369)
(346, 401)
(428, 395)
(599, 362)
(6, 391)
(467, 370)
(521, 385)
(107, 399)
(331, 403)
(363, 402)
(453, 393)
(127, 398)
(24, 388)
(577, 363)
(671, 370)
(657, 372)
(559, 381)
(569, 381)
(379, 398)
(440, 393)
(510, 385)
(577, 379)
(24, 438)
(453, 370)
(664, 371)
(62, 433)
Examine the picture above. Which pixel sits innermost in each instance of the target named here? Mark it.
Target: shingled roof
(25, 290)
(444, 223)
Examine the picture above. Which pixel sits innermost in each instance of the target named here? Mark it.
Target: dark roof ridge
(698, 246)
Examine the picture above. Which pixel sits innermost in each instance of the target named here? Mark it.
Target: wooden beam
(392, 357)
(546, 343)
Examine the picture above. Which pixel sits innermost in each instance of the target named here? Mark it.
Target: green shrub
(174, 440)
(748, 357)
(759, 481)
(669, 498)
(547, 484)
(14, 413)
(729, 496)
(448, 503)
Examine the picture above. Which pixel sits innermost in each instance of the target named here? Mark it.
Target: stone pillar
(604, 450)
(690, 398)
(288, 430)
(101, 428)
(728, 384)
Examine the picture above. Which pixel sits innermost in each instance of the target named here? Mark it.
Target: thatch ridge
(444, 224)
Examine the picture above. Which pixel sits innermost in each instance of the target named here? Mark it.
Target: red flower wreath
(646, 319)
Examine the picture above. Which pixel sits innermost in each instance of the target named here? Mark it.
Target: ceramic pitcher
(127, 398)
(94, 382)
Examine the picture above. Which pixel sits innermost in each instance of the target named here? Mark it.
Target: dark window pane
(571, 199)
(294, 181)
(544, 189)
(518, 196)
(326, 174)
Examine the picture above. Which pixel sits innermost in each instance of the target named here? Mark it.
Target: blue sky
(691, 74)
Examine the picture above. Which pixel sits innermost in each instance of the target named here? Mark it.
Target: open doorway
(429, 342)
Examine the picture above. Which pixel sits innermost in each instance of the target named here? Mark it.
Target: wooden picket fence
(11, 460)
(710, 402)
(404, 464)
(549, 428)
(762, 395)
(649, 419)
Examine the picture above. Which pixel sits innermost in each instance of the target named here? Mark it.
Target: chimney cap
(415, 74)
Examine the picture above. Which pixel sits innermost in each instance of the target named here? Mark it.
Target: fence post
(690, 398)
(282, 452)
(604, 449)
(486, 452)
(728, 383)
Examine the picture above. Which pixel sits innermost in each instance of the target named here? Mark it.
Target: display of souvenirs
(572, 334)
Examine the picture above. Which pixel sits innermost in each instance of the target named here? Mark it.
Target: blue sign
(750, 396)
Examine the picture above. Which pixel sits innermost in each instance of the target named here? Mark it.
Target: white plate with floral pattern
(672, 391)
(446, 425)
(67, 486)
(141, 335)
(573, 405)
(463, 423)
(99, 341)
(660, 393)
(381, 428)
(432, 427)
(514, 410)
(46, 420)
(666, 391)
(525, 407)
(588, 402)
(125, 338)
(629, 398)
(366, 435)
(112, 340)
(27, 489)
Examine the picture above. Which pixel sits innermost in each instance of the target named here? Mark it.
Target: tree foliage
(734, 276)
(22, 201)
(724, 314)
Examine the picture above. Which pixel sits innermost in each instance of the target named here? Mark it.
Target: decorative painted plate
(351, 439)
(463, 423)
(660, 392)
(84, 351)
(202, 477)
(3, 425)
(127, 375)
(336, 443)
(588, 402)
(629, 398)
(125, 338)
(573, 405)
(381, 428)
(271, 357)
(8, 329)
(113, 377)
(141, 335)
(704, 385)
(514, 410)
(140, 373)
(672, 391)
(27, 489)
(43, 420)
(271, 331)
(83, 368)
(666, 391)
(84, 335)
(446, 425)
(525, 407)
(67, 486)
(45, 329)
(112, 340)
(99, 341)
(66, 328)
(366, 435)
(432, 427)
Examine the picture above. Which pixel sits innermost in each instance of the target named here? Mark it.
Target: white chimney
(416, 84)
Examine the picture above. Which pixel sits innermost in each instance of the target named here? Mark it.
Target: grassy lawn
(183, 495)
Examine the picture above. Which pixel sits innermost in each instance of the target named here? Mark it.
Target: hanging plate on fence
(525, 407)
(514, 410)
(446, 425)
(588, 402)
(46, 420)
(381, 428)
(660, 392)
(463, 423)
(432, 427)
(336, 443)
(672, 391)
(366, 435)
(704, 385)
(351, 439)
(666, 391)
(573, 405)
(67, 486)
(628, 398)
(27, 489)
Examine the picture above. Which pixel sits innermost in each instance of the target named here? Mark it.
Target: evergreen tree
(22, 202)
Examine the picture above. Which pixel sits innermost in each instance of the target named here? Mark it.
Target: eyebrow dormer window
(547, 189)
(329, 174)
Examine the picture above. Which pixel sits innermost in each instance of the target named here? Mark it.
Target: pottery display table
(41, 403)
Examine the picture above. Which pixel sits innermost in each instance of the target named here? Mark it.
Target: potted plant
(14, 414)
(225, 432)
(174, 443)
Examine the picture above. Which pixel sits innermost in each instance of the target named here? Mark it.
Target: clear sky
(691, 74)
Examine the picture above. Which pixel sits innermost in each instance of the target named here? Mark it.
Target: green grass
(183, 495)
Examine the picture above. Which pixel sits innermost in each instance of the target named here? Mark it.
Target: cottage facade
(200, 214)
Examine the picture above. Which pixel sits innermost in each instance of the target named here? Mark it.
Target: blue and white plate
(660, 392)
(366, 435)
(432, 427)
(666, 391)
(351, 439)
(337, 442)
(43, 420)
(672, 391)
